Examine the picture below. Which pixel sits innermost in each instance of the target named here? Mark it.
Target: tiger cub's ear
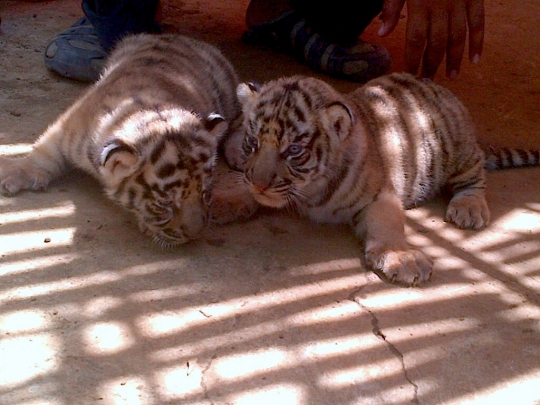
(337, 119)
(216, 125)
(246, 92)
(118, 160)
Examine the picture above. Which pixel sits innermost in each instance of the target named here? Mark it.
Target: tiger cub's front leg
(382, 226)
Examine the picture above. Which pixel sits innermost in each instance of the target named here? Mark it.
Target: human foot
(291, 33)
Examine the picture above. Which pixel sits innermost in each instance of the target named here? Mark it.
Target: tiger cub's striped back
(148, 130)
(362, 157)
(425, 136)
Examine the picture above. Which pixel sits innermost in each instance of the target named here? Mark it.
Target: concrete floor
(275, 310)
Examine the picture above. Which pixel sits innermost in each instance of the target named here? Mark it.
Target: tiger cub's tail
(507, 158)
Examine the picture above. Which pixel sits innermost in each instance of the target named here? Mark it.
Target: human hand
(436, 28)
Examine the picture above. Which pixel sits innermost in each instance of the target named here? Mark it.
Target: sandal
(291, 33)
(273, 34)
(76, 53)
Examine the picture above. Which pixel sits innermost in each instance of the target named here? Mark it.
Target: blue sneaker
(76, 53)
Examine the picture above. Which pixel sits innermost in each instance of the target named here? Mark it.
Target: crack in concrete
(203, 382)
(393, 349)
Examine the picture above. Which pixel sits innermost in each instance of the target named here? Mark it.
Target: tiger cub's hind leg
(468, 207)
(34, 171)
(26, 173)
(468, 210)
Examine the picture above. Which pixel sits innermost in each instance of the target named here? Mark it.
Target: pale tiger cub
(148, 130)
(361, 158)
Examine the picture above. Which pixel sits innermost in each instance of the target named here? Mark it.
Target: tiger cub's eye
(252, 142)
(207, 197)
(294, 150)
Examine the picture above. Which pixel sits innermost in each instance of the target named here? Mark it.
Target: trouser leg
(114, 19)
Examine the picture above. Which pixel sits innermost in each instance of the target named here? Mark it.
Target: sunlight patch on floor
(105, 338)
(29, 356)
(523, 391)
(282, 394)
(39, 263)
(367, 373)
(521, 218)
(25, 321)
(22, 242)
(14, 149)
(65, 284)
(179, 382)
(326, 267)
(128, 390)
(373, 378)
(171, 322)
(20, 216)
(165, 293)
(339, 346)
(433, 328)
(524, 312)
(248, 365)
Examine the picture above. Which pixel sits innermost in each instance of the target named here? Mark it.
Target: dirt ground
(274, 310)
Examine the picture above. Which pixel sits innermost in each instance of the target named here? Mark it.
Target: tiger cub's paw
(15, 176)
(233, 151)
(231, 199)
(229, 207)
(468, 211)
(409, 267)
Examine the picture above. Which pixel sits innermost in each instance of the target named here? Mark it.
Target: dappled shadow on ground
(273, 310)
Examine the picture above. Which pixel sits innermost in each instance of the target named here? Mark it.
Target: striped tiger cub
(149, 131)
(363, 157)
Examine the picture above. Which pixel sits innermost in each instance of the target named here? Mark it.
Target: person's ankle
(263, 11)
